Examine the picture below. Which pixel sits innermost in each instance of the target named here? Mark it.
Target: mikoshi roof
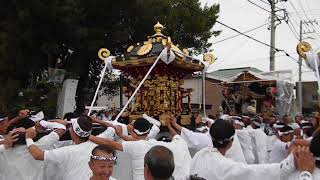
(143, 54)
(250, 76)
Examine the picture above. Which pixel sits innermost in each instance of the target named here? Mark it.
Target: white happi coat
(199, 141)
(2, 148)
(246, 145)
(260, 145)
(210, 164)
(72, 161)
(138, 149)
(279, 151)
(18, 164)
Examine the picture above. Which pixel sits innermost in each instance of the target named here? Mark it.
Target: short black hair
(315, 147)
(68, 116)
(103, 148)
(160, 162)
(221, 131)
(286, 129)
(142, 125)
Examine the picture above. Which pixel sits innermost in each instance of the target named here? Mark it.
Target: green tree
(35, 33)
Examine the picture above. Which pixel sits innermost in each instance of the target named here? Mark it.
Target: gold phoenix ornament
(103, 53)
(302, 48)
(209, 57)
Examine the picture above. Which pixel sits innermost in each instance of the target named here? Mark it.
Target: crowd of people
(97, 147)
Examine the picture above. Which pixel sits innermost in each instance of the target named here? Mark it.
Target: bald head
(159, 163)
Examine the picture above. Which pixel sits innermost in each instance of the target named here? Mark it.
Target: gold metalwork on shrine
(162, 91)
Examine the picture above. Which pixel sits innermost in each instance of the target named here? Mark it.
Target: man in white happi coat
(280, 149)
(245, 140)
(19, 164)
(259, 141)
(140, 145)
(72, 161)
(211, 164)
(198, 141)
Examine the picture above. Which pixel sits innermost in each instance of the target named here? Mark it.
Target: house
(213, 88)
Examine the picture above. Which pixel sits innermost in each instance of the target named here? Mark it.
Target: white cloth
(154, 131)
(210, 164)
(296, 175)
(2, 148)
(197, 141)
(138, 149)
(20, 165)
(245, 142)
(151, 120)
(259, 144)
(271, 140)
(124, 128)
(279, 151)
(123, 169)
(294, 126)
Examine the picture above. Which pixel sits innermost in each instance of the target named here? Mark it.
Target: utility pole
(273, 18)
(300, 75)
(300, 62)
(273, 34)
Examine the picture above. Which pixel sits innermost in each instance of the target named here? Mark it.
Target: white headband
(100, 158)
(239, 122)
(256, 123)
(285, 133)
(37, 117)
(52, 125)
(141, 133)
(306, 127)
(278, 126)
(201, 128)
(77, 129)
(223, 141)
(3, 118)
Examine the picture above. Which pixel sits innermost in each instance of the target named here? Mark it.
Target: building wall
(309, 94)
(66, 99)
(213, 93)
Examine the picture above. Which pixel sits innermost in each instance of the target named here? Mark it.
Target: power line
(240, 34)
(294, 20)
(233, 29)
(259, 6)
(315, 27)
(264, 2)
(304, 12)
(293, 30)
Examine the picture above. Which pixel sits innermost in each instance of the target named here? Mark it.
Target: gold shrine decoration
(159, 95)
(130, 49)
(103, 53)
(144, 49)
(303, 48)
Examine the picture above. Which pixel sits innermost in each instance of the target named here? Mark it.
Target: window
(315, 97)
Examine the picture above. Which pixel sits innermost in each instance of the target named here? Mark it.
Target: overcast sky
(244, 52)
